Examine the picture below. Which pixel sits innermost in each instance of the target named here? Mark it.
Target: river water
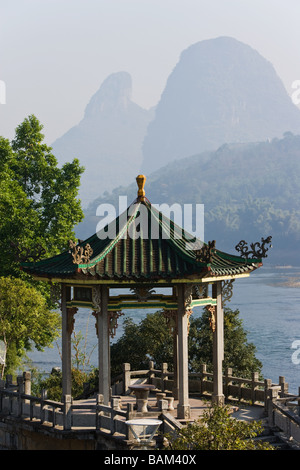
(269, 305)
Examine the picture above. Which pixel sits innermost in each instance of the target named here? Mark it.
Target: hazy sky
(56, 53)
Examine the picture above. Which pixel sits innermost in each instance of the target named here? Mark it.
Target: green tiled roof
(159, 250)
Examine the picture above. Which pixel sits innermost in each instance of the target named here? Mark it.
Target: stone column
(171, 317)
(218, 346)
(175, 364)
(183, 408)
(66, 343)
(103, 346)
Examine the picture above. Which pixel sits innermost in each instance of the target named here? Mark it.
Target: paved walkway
(198, 405)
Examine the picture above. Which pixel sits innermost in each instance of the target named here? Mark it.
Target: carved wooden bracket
(212, 319)
(96, 297)
(171, 316)
(205, 254)
(81, 255)
(113, 322)
(258, 250)
(227, 291)
(70, 319)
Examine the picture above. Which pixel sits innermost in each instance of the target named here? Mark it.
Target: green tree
(149, 340)
(80, 375)
(25, 320)
(53, 383)
(152, 340)
(217, 430)
(238, 352)
(39, 206)
(17, 216)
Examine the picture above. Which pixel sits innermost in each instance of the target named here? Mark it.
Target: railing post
(272, 394)
(115, 407)
(126, 377)
(203, 378)
(99, 412)
(284, 386)
(20, 383)
(268, 384)
(44, 395)
(27, 383)
(255, 377)
(164, 377)
(129, 434)
(228, 381)
(151, 373)
(67, 412)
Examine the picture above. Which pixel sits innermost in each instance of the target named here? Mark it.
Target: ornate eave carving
(257, 250)
(205, 254)
(227, 291)
(143, 293)
(80, 254)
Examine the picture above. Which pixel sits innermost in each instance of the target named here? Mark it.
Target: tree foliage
(39, 208)
(38, 201)
(25, 320)
(152, 340)
(217, 430)
(140, 343)
(239, 354)
(53, 383)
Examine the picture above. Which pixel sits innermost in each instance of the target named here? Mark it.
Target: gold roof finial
(141, 180)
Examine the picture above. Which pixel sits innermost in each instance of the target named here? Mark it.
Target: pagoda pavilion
(138, 253)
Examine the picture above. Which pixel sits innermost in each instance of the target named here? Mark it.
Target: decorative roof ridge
(114, 241)
(236, 258)
(167, 225)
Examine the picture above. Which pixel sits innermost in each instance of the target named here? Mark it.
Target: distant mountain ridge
(248, 190)
(108, 140)
(220, 91)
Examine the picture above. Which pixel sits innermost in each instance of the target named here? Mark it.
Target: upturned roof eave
(62, 266)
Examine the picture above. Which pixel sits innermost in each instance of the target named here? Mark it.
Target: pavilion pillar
(183, 407)
(103, 346)
(218, 346)
(66, 343)
(175, 364)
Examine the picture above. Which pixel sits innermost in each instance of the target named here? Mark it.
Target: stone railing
(252, 391)
(66, 414)
(69, 414)
(284, 415)
(281, 408)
